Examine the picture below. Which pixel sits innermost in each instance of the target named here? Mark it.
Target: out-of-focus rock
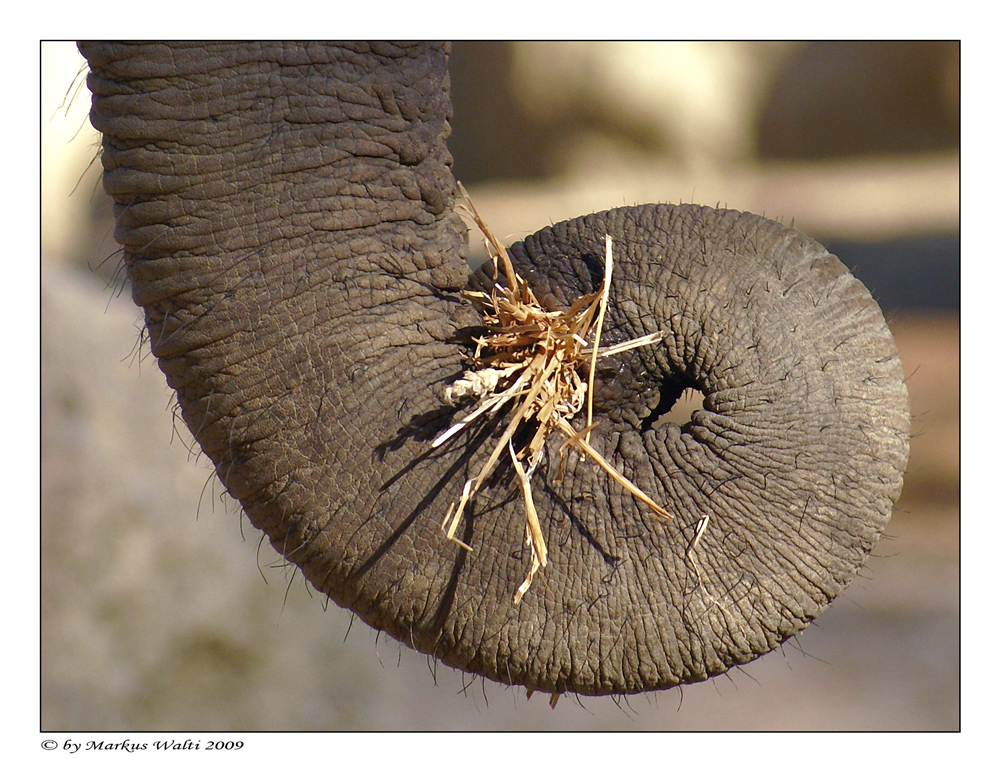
(693, 102)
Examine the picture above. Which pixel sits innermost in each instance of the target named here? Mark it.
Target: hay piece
(530, 358)
(533, 530)
(603, 305)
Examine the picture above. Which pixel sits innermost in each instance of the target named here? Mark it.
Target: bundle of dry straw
(531, 359)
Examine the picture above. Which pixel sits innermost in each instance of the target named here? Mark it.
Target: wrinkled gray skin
(288, 224)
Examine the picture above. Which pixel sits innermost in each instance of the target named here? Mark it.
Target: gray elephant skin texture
(287, 213)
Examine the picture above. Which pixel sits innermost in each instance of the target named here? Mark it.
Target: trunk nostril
(690, 401)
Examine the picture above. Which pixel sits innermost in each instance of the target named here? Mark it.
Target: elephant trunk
(286, 212)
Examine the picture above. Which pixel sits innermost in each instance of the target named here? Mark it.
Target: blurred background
(162, 609)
